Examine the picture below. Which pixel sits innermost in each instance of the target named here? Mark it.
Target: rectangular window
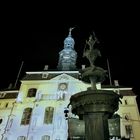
(45, 137)
(21, 138)
(32, 92)
(129, 131)
(48, 115)
(26, 116)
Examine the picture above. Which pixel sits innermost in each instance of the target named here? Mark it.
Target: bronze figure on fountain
(92, 74)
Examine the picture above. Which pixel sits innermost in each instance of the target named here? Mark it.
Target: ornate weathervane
(70, 29)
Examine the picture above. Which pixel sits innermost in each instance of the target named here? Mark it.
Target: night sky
(37, 36)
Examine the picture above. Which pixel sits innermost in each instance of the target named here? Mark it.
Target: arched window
(21, 138)
(48, 115)
(32, 92)
(26, 116)
(45, 137)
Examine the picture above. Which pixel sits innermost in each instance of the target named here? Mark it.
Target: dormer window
(32, 92)
(2, 94)
(45, 75)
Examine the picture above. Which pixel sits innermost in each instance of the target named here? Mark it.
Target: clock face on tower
(62, 86)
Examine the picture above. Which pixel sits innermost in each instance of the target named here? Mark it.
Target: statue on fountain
(92, 74)
(90, 51)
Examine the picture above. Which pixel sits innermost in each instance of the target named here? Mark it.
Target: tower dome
(69, 41)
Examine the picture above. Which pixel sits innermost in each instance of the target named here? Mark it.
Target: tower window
(32, 92)
(26, 116)
(48, 115)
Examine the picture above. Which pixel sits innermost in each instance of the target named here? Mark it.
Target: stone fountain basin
(96, 73)
(95, 101)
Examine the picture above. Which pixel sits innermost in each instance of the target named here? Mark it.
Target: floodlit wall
(38, 111)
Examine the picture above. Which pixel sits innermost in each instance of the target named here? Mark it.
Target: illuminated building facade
(36, 110)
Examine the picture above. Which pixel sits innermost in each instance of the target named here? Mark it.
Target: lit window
(32, 92)
(45, 137)
(26, 116)
(21, 138)
(48, 115)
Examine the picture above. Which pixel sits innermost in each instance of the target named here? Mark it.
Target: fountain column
(97, 122)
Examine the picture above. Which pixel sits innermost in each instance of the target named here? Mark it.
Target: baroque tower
(68, 56)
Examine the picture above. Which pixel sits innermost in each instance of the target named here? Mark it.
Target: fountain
(94, 106)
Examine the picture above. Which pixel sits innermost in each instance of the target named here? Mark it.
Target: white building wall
(130, 110)
(47, 95)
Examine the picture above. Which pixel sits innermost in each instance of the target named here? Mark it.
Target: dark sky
(35, 35)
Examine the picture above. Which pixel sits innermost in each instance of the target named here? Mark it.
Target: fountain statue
(92, 74)
(94, 106)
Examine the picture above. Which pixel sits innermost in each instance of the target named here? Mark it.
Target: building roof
(47, 75)
(9, 94)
